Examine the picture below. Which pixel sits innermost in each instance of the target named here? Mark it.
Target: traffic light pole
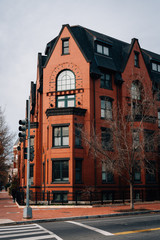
(27, 212)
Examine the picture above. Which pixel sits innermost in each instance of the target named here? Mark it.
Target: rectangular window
(60, 136)
(151, 172)
(158, 95)
(31, 173)
(48, 137)
(135, 91)
(66, 101)
(107, 196)
(156, 67)
(65, 46)
(60, 197)
(137, 109)
(136, 59)
(135, 136)
(60, 170)
(106, 81)
(78, 136)
(43, 172)
(107, 176)
(159, 118)
(149, 140)
(137, 173)
(107, 139)
(78, 171)
(106, 109)
(102, 49)
(159, 144)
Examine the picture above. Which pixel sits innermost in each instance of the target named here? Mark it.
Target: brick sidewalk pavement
(10, 212)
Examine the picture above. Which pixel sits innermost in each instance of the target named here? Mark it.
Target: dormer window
(102, 49)
(156, 67)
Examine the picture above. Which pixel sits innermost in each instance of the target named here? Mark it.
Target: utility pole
(27, 212)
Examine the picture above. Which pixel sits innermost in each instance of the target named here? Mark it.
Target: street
(130, 227)
(139, 227)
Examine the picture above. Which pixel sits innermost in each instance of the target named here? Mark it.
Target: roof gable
(120, 50)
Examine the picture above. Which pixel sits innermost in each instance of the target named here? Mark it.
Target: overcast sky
(27, 25)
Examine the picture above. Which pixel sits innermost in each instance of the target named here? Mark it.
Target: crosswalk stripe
(40, 237)
(21, 234)
(27, 231)
(19, 226)
(24, 230)
(105, 233)
(57, 237)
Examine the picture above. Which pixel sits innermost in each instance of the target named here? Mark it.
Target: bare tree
(5, 147)
(124, 146)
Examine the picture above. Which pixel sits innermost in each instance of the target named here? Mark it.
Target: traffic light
(22, 129)
(31, 153)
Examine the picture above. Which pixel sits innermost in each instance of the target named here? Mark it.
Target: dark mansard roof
(86, 39)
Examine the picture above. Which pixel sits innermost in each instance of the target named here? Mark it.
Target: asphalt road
(137, 227)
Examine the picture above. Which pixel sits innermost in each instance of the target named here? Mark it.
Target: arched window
(136, 90)
(66, 80)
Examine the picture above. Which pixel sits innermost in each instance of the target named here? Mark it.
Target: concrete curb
(79, 217)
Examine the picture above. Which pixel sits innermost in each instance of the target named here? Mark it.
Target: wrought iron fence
(77, 198)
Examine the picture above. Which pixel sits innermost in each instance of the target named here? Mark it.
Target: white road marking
(51, 233)
(24, 230)
(39, 237)
(20, 235)
(105, 233)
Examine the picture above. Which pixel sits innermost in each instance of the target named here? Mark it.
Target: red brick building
(80, 80)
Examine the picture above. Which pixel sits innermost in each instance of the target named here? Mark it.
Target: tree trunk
(131, 197)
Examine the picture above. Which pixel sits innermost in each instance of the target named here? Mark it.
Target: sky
(26, 26)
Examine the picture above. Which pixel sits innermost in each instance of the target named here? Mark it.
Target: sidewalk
(10, 212)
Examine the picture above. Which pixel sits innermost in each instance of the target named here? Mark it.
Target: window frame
(78, 170)
(105, 49)
(136, 139)
(60, 136)
(66, 99)
(105, 134)
(149, 140)
(107, 176)
(136, 90)
(107, 109)
(65, 49)
(156, 67)
(104, 82)
(158, 117)
(137, 172)
(136, 59)
(151, 178)
(67, 79)
(62, 177)
(63, 196)
(31, 173)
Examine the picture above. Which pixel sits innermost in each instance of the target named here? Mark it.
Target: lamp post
(27, 212)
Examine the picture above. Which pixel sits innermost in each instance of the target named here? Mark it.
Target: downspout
(95, 160)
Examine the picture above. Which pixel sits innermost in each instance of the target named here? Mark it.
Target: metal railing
(78, 198)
